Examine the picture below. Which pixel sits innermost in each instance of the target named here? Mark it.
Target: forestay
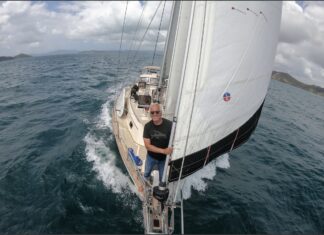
(227, 51)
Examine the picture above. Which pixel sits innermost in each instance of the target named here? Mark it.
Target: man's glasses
(155, 112)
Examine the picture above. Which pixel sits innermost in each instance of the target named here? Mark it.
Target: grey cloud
(76, 22)
(97, 25)
(313, 3)
(314, 54)
(294, 36)
(301, 48)
(295, 27)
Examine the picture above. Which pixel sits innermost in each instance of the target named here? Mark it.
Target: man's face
(155, 113)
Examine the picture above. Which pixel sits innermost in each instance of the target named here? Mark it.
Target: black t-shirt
(159, 136)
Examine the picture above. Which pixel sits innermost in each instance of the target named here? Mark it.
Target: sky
(36, 27)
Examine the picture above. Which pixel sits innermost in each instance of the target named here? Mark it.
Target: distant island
(58, 52)
(3, 58)
(286, 78)
(92, 52)
(279, 76)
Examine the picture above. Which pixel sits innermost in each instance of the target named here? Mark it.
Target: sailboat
(212, 85)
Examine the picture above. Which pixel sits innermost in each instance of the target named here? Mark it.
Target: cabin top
(150, 69)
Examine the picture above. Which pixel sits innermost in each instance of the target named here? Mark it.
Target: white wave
(113, 91)
(104, 117)
(197, 181)
(85, 209)
(86, 121)
(103, 160)
(223, 161)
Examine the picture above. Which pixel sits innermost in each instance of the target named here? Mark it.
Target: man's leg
(161, 168)
(149, 164)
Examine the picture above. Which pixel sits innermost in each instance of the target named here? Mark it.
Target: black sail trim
(196, 161)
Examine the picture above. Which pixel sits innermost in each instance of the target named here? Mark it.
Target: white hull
(156, 220)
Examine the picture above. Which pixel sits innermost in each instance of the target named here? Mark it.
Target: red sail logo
(227, 96)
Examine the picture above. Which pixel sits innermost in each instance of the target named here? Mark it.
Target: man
(156, 139)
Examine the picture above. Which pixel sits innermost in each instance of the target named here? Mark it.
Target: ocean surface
(60, 170)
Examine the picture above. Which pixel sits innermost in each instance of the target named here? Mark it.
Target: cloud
(38, 27)
(25, 25)
(300, 50)
(291, 29)
(34, 27)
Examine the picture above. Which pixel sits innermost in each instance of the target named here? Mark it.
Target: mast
(169, 44)
(175, 66)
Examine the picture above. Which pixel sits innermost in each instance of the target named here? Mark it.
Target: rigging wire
(133, 39)
(158, 34)
(145, 34)
(120, 46)
(182, 219)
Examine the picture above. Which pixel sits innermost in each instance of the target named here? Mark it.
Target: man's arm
(152, 148)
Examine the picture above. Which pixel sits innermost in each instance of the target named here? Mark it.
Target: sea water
(60, 170)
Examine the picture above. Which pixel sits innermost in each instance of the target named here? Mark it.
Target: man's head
(156, 113)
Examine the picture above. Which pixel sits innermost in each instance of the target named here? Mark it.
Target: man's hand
(152, 148)
(168, 151)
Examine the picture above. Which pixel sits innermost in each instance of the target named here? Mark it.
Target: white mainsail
(226, 63)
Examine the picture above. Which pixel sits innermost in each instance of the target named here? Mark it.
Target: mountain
(93, 52)
(3, 58)
(70, 52)
(58, 52)
(286, 78)
(22, 55)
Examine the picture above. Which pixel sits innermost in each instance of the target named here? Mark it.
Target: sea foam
(199, 180)
(104, 158)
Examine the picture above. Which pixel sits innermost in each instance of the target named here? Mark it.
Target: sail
(170, 42)
(174, 70)
(225, 72)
